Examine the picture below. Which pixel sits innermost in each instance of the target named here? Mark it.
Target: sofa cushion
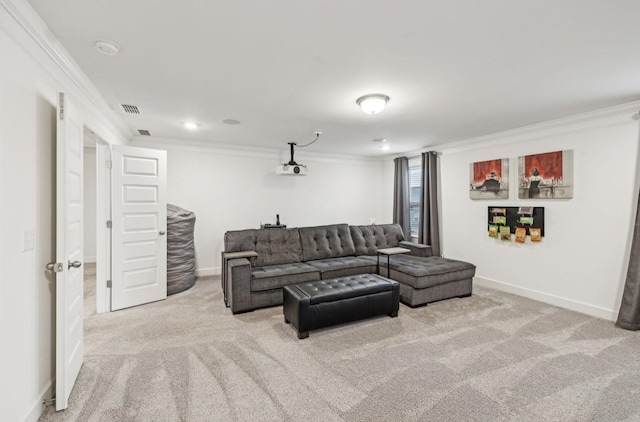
(431, 271)
(277, 246)
(343, 266)
(240, 240)
(274, 276)
(324, 242)
(368, 239)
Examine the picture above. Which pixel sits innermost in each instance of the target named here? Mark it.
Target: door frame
(103, 234)
(103, 213)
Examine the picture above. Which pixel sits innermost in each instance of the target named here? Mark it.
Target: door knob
(74, 264)
(56, 267)
(161, 232)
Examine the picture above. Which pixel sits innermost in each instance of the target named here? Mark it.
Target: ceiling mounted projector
(292, 170)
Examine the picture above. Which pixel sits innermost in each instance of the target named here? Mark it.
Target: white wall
(29, 83)
(581, 262)
(233, 190)
(89, 202)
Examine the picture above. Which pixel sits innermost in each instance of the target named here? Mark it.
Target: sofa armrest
(239, 284)
(417, 249)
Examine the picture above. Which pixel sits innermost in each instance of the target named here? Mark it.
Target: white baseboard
(563, 302)
(38, 407)
(203, 272)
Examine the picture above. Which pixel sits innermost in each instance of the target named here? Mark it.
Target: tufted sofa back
(367, 239)
(240, 240)
(278, 246)
(283, 246)
(274, 246)
(323, 242)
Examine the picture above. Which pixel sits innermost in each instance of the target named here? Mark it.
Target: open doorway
(137, 265)
(62, 221)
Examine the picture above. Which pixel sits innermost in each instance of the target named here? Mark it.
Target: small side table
(223, 274)
(388, 252)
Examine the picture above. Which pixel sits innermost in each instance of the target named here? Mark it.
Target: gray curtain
(401, 195)
(429, 230)
(629, 315)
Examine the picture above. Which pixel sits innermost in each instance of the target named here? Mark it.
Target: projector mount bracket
(292, 162)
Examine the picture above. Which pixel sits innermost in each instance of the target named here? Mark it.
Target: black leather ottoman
(316, 304)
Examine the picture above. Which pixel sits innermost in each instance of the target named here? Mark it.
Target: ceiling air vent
(130, 109)
(144, 132)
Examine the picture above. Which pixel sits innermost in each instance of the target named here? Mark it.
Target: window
(415, 181)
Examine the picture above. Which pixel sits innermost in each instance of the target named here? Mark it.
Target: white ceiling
(454, 70)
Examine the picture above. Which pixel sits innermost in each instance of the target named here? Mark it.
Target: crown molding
(615, 115)
(36, 30)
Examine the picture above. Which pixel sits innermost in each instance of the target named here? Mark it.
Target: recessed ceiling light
(191, 125)
(372, 103)
(231, 122)
(386, 147)
(381, 140)
(107, 47)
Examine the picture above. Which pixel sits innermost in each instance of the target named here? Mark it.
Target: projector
(292, 170)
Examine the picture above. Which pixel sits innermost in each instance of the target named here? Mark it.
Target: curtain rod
(420, 155)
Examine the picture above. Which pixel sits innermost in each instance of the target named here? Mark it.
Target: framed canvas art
(489, 179)
(546, 176)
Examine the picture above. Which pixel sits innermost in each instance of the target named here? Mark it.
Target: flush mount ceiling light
(372, 103)
(191, 125)
(107, 47)
(383, 143)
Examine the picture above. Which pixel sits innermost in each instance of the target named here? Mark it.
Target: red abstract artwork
(482, 170)
(547, 175)
(549, 165)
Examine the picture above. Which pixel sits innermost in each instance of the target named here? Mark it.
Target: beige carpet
(490, 357)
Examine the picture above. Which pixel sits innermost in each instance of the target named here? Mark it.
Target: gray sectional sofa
(295, 255)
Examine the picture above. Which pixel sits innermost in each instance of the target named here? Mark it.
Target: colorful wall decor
(489, 179)
(521, 221)
(547, 175)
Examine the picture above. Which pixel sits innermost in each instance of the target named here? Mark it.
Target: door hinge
(109, 283)
(61, 103)
(109, 164)
(109, 224)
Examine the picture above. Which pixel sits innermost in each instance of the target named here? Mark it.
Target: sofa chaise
(287, 256)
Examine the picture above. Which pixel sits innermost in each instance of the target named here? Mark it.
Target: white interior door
(69, 274)
(139, 224)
